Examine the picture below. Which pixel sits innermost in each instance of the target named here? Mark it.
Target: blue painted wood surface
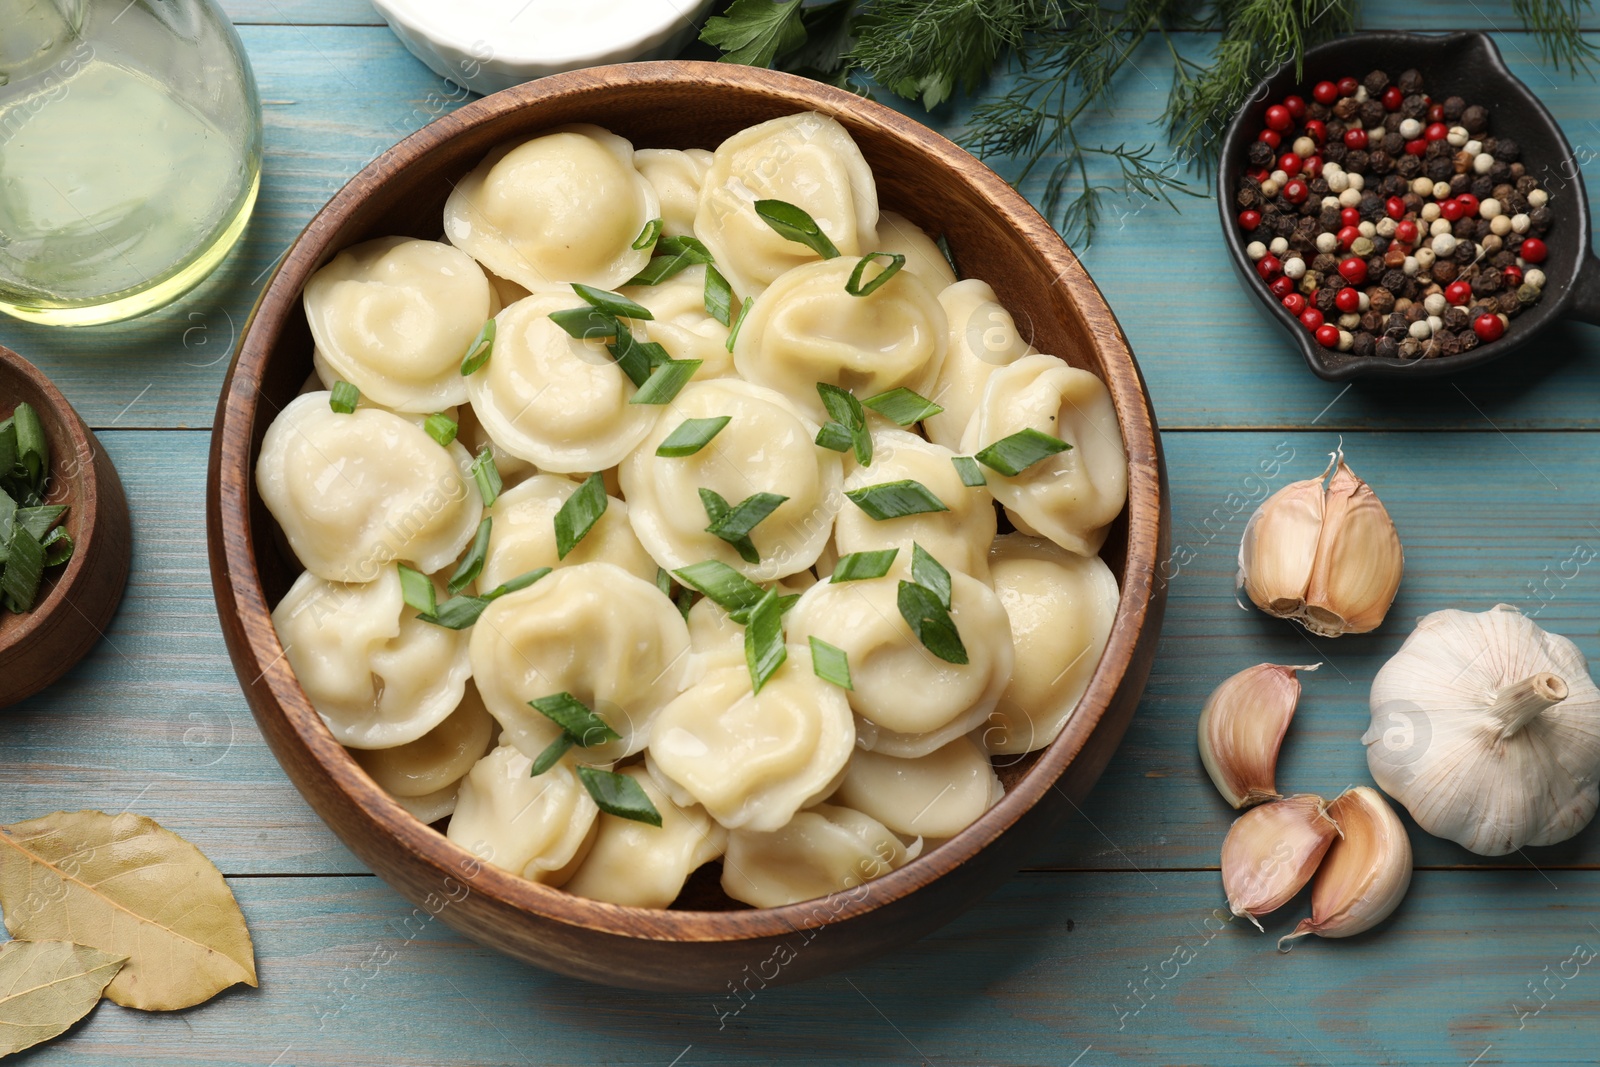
(1106, 950)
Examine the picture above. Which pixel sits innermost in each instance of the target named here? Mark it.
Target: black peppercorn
(1334, 152)
(1503, 259)
(1540, 219)
(1469, 340)
(1371, 321)
(1453, 107)
(1507, 303)
(1482, 187)
(1397, 321)
(1346, 108)
(1414, 313)
(1475, 119)
(1372, 113)
(1410, 81)
(1445, 271)
(1381, 300)
(1455, 317)
(1335, 127)
(1379, 161)
(1393, 185)
(1516, 204)
(1410, 348)
(1415, 107)
(1364, 345)
(1259, 154)
(1329, 219)
(1319, 188)
(1448, 343)
(1459, 183)
(1325, 262)
(1440, 150)
(1518, 171)
(1317, 110)
(1487, 282)
(1386, 348)
(1505, 150)
(1325, 300)
(1392, 123)
(1466, 252)
(1375, 83)
(1500, 171)
(1394, 280)
(1370, 207)
(1408, 166)
(1439, 169)
(1463, 229)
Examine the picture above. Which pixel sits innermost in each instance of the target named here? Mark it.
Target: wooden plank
(1054, 969)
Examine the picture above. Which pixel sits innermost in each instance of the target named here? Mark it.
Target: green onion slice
(587, 323)
(344, 397)
(931, 622)
(971, 473)
(58, 547)
(930, 574)
(896, 500)
(722, 585)
(636, 358)
(479, 350)
(744, 309)
(575, 718)
(795, 224)
(854, 286)
(1014, 454)
(830, 663)
(619, 795)
(665, 382)
(647, 236)
(691, 436)
(717, 509)
(551, 755)
(417, 589)
(39, 519)
(903, 406)
(472, 564)
(846, 410)
(764, 650)
(32, 447)
(441, 427)
(835, 436)
(664, 581)
(459, 612)
(613, 304)
(861, 565)
(719, 296)
(734, 524)
(579, 514)
(19, 582)
(487, 475)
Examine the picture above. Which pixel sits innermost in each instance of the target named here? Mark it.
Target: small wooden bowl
(703, 943)
(75, 602)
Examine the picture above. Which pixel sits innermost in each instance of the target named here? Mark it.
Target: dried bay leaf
(126, 886)
(46, 986)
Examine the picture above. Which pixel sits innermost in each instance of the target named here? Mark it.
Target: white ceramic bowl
(490, 45)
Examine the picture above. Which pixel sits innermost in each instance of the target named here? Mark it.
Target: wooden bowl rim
(258, 651)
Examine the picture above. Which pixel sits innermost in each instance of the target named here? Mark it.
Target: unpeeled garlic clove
(1323, 552)
(1271, 852)
(1366, 872)
(1242, 727)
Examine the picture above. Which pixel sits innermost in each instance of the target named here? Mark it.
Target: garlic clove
(1366, 872)
(1272, 851)
(1279, 547)
(1242, 727)
(1359, 560)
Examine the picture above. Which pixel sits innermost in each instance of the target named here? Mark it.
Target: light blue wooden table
(1105, 950)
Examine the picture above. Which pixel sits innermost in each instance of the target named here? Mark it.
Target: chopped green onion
(57, 547)
(795, 224)
(733, 524)
(39, 519)
(619, 795)
(587, 323)
(647, 236)
(517, 584)
(787, 601)
(575, 718)
(19, 582)
(931, 622)
(478, 351)
(717, 509)
(835, 436)
(860, 565)
(579, 513)
(930, 574)
(854, 286)
(459, 612)
(8, 446)
(472, 564)
(441, 428)
(971, 473)
(692, 247)
(664, 581)
(417, 589)
(8, 514)
(691, 436)
(551, 755)
(665, 382)
(902, 406)
(487, 475)
(1014, 454)
(723, 586)
(846, 410)
(744, 309)
(614, 304)
(636, 358)
(32, 446)
(949, 257)
(719, 296)
(830, 663)
(764, 650)
(344, 397)
(896, 500)
(685, 601)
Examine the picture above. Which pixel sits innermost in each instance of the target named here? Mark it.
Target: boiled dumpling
(898, 234)
(932, 796)
(593, 630)
(566, 206)
(439, 758)
(394, 317)
(807, 329)
(682, 325)
(645, 866)
(529, 826)
(983, 337)
(753, 759)
(556, 400)
(431, 807)
(909, 701)
(474, 438)
(378, 676)
(958, 538)
(807, 160)
(676, 177)
(825, 850)
(524, 534)
(355, 492)
(1061, 606)
(767, 447)
(715, 640)
(1071, 497)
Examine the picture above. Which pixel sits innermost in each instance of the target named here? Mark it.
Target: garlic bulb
(1241, 728)
(1271, 852)
(1366, 872)
(1323, 552)
(1487, 729)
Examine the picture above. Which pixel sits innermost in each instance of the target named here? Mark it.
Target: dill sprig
(1557, 26)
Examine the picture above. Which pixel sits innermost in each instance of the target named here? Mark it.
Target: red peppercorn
(1452, 210)
(1469, 205)
(1278, 118)
(1312, 167)
(1347, 236)
(1249, 220)
(1317, 130)
(1269, 138)
(1260, 174)
(1325, 92)
(1533, 250)
(1295, 191)
(1458, 292)
(1282, 286)
(1289, 163)
(1311, 318)
(1406, 232)
(1488, 327)
(1348, 299)
(1393, 98)
(1268, 266)
(1349, 217)
(1512, 276)
(1328, 335)
(1436, 131)
(1348, 86)
(1295, 303)
(1355, 140)
(1354, 270)
(1417, 147)
(1436, 114)
(1395, 208)
(1296, 106)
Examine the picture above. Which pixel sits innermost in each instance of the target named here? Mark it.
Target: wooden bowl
(75, 602)
(702, 943)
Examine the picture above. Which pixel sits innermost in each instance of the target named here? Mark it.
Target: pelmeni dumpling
(807, 329)
(533, 827)
(753, 759)
(645, 866)
(676, 177)
(439, 758)
(682, 325)
(524, 534)
(378, 676)
(825, 850)
(394, 316)
(908, 701)
(566, 206)
(983, 337)
(766, 447)
(958, 538)
(899, 235)
(593, 630)
(1061, 606)
(1073, 496)
(431, 807)
(474, 438)
(355, 492)
(807, 160)
(932, 796)
(559, 401)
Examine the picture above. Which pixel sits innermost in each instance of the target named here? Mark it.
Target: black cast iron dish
(1464, 64)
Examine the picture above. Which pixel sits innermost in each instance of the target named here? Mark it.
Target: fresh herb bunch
(1064, 56)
